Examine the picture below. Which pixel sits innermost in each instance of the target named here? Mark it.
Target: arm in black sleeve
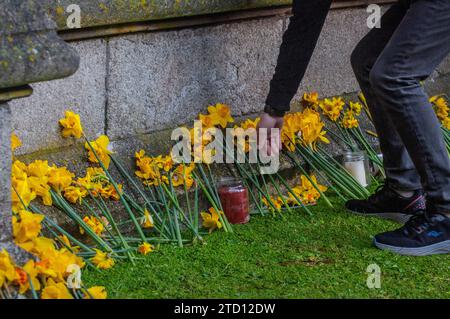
(299, 42)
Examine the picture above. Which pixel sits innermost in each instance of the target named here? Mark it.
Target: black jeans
(389, 64)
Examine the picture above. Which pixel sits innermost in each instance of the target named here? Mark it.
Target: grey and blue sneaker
(422, 235)
(388, 204)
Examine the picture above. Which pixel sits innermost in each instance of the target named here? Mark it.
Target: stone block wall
(133, 87)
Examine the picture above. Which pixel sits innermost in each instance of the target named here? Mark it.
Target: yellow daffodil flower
(75, 194)
(356, 108)
(220, 115)
(55, 290)
(38, 169)
(102, 260)
(94, 224)
(145, 249)
(32, 274)
(332, 108)
(24, 195)
(15, 142)
(7, 268)
(109, 191)
(440, 106)
(60, 178)
(310, 100)
(211, 220)
(349, 121)
(100, 147)
(312, 128)
(207, 120)
(147, 220)
(446, 123)
(183, 174)
(71, 125)
(96, 292)
(28, 227)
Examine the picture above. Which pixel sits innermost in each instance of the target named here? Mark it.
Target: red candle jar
(234, 198)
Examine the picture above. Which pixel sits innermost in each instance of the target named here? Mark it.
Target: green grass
(299, 257)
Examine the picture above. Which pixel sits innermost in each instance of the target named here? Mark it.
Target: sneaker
(422, 235)
(388, 204)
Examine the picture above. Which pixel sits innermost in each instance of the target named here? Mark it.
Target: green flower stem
(319, 172)
(133, 182)
(304, 173)
(175, 214)
(141, 210)
(342, 171)
(91, 210)
(110, 219)
(213, 203)
(122, 199)
(329, 170)
(58, 200)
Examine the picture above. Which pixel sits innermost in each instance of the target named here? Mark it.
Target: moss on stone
(108, 12)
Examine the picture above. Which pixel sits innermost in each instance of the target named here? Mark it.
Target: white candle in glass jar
(358, 170)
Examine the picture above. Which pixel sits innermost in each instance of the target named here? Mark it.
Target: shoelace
(419, 223)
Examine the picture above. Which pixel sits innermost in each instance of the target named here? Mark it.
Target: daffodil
(356, 108)
(54, 290)
(332, 108)
(207, 120)
(97, 292)
(19, 170)
(149, 170)
(211, 219)
(109, 191)
(446, 123)
(183, 175)
(440, 106)
(38, 169)
(147, 220)
(40, 246)
(41, 188)
(145, 249)
(28, 227)
(102, 260)
(7, 268)
(349, 121)
(22, 194)
(15, 142)
(75, 194)
(32, 274)
(100, 147)
(60, 178)
(312, 128)
(94, 224)
(274, 204)
(71, 125)
(310, 100)
(291, 130)
(220, 114)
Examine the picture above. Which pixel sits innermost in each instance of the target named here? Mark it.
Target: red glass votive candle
(234, 198)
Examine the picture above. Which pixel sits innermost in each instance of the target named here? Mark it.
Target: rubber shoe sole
(434, 249)
(396, 217)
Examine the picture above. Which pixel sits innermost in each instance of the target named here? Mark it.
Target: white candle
(358, 170)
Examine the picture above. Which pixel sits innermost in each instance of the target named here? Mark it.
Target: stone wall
(134, 87)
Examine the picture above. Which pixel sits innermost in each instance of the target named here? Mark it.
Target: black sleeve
(299, 42)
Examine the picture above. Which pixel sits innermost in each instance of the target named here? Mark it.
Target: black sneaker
(387, 203)
(422, 235)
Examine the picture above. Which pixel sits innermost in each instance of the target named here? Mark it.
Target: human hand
(268, 122)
